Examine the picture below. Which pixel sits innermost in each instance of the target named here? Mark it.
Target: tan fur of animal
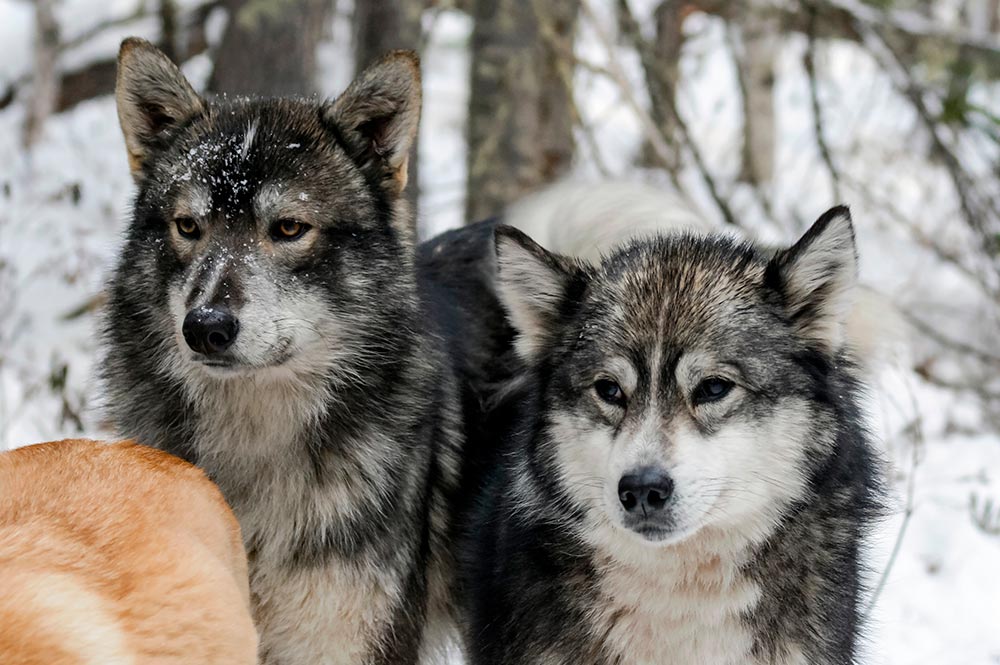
(114, 554)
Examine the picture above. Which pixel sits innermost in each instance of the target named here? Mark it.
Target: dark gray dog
(266, 323)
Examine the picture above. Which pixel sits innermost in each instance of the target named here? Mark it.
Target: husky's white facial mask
(678, 375)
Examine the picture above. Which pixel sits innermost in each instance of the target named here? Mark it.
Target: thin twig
(617, 74)
(565, 62)
(930, 331)
(107, 24)
(660, 90)
(916, 431)
(809, 61)
(975, 212)
(922, 238)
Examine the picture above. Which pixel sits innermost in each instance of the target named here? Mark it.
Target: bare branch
(975, 211)
(933, 333)
(616, 73)
(915, 432)
(809, 61)
(660, 92)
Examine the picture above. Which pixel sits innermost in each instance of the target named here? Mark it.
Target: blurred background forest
(759, 114)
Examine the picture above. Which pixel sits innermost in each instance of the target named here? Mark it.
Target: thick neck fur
(682, 604)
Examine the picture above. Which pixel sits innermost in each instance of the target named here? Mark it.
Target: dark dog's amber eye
(188, 228)
(711, 390)
(288, 229)
(610, 392)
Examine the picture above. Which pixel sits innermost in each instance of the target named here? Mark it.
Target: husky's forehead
(680, 289)
(246, 155)
(685, 304)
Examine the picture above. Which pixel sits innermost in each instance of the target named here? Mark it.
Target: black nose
(210, 329)
(645, 490)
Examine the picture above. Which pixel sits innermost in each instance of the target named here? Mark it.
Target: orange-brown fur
(117, 553)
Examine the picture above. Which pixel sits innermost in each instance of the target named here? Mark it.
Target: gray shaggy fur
(718, 374)
(332, 423)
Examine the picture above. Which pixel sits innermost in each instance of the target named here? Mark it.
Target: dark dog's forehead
(240, 148)
(681, 294)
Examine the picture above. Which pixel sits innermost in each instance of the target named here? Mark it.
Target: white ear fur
(152, 96)
(532, 284)
(817, 277)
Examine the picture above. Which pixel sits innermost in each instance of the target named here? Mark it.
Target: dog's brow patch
(624, 372)
(195, 202)
(248, 138)
(267, 201)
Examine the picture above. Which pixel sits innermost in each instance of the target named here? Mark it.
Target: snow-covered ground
(63, 206)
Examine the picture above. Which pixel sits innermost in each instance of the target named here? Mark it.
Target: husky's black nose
(645, 490)
(209, 329)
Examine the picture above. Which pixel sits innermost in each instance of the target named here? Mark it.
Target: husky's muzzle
(645, 494)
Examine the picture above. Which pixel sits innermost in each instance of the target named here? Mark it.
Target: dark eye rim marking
(610, 392)
(711, 389)
(187, 228)
(288, 229)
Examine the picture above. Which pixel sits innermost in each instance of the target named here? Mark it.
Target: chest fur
(669, 611)
(255, 446)
(331, 615)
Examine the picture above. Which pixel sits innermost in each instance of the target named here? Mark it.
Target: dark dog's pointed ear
(378, 116)
(816, 278)
(153, 96)
(533, 285)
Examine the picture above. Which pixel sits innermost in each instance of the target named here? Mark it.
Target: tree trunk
(520, 128)
(46, 84)
(669, 18)
(169, 30)
(269, 47)
(760, 37)
(386, 25)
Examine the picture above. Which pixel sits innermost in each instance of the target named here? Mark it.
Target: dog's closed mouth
(232, 365)
(652, 532)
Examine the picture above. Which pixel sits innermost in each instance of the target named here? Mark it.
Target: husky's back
(586, 220)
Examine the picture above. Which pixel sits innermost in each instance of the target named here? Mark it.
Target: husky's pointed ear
(816, 278)
(153, 97)
(533, 285)
(378, 116)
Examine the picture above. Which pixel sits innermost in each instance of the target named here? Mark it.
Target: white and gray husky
(681, 474)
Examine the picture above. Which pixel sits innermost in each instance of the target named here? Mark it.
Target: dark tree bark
(760, 39)
(520, 119)
(46, 84)
(183, 37)
(169, 29)
(386, 25)
(669, 18)
(269, 47)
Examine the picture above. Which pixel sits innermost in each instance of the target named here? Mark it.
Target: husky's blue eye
(288, 229)
(188, 228)
(711, 390)
(610, 392)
